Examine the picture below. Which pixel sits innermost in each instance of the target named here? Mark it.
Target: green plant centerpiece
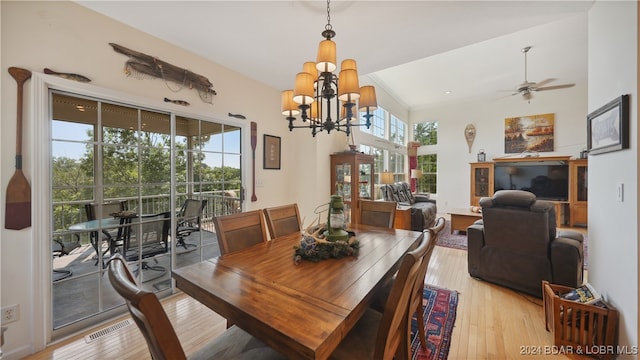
(329, 240)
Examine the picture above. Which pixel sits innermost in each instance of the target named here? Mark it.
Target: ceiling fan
(527, 88)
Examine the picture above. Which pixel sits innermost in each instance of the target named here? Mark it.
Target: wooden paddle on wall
(18, 199)
(254, 140)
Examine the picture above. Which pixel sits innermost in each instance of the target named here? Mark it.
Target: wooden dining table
(302, 310)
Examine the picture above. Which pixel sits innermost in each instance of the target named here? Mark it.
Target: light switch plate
(620, 192)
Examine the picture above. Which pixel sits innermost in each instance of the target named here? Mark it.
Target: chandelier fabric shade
(326, 60)
(289, 107)
(303, 92)
(327, 101)
(368, 100)
(349, 89)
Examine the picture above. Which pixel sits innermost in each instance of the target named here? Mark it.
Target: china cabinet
(352, 178)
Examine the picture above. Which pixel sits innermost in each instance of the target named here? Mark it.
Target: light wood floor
(492, 322)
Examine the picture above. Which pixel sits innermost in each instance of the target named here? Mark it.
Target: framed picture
(271, 152)
(608, 127)
(529, 133)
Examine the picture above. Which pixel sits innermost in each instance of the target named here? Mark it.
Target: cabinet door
(343, 180)
(481, 181)
(365, 181)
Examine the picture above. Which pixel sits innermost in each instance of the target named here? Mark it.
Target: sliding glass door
(120, 177)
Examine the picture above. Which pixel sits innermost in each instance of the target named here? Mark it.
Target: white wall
(487, 115)
(613, 225)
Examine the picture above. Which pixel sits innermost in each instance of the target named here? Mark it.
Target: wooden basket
(576, 326)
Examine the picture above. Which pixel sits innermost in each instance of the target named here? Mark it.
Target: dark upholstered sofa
(423, 209)
(516, 244)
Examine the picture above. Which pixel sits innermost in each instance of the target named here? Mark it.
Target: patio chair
(189, 220)
(64, 245)
(241, 230)
(161, 338)
(282, 220)
(153, 240)
(377, 213)
(110, 235)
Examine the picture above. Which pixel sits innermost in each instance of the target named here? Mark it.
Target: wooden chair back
(377, 213)
(282, 220)
(393, 333)
(147, 311)
(239, 231)
(418, 290)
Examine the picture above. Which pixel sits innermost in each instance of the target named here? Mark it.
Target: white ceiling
(416, 50)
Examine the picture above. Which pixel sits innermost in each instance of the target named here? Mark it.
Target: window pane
(119, 124)
(211, 136)
(397, 130)
(119, 164)
(429, 166)
(231, 139)
(426, 133)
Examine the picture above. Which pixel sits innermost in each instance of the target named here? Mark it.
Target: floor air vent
(106, 331)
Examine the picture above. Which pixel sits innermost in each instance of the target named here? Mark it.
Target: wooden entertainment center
(572, 211)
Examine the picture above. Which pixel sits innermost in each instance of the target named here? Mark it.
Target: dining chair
(415, 306)
(416, 300)
(152, 240)
(385, 335)
(377, 213)
(241, 230)
(189, 220)
(282, 220)
(161, 338)
(94, 211)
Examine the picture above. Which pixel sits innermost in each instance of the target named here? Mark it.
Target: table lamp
(386, 177)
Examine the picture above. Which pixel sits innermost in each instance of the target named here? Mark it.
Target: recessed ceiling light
(448, 92)
(80, 107)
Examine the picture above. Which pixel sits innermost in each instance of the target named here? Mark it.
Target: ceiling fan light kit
(527, 88)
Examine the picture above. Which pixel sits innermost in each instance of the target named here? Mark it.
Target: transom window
(426, 133)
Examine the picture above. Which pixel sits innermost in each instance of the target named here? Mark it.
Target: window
(426, 133)
(397, 130)
(429, 166)
(396, 166)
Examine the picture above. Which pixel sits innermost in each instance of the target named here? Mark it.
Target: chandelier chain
(328, 26)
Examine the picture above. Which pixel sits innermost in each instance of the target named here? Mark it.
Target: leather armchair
(516, 244)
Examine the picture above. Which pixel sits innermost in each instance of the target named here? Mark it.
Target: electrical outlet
(10, 314)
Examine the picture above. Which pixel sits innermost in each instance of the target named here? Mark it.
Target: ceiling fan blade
(564, 86)
(542, 83)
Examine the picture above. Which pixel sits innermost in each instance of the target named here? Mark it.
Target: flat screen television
(548, 180)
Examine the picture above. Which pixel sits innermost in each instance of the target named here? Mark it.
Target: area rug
(458, 240)
(439, 315)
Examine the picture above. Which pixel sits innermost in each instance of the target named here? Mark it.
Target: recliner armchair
(516, 244)
(423, 209)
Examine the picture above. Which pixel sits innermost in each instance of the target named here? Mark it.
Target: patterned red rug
(439, 315)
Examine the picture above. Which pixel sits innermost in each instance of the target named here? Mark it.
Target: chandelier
(318, 91)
